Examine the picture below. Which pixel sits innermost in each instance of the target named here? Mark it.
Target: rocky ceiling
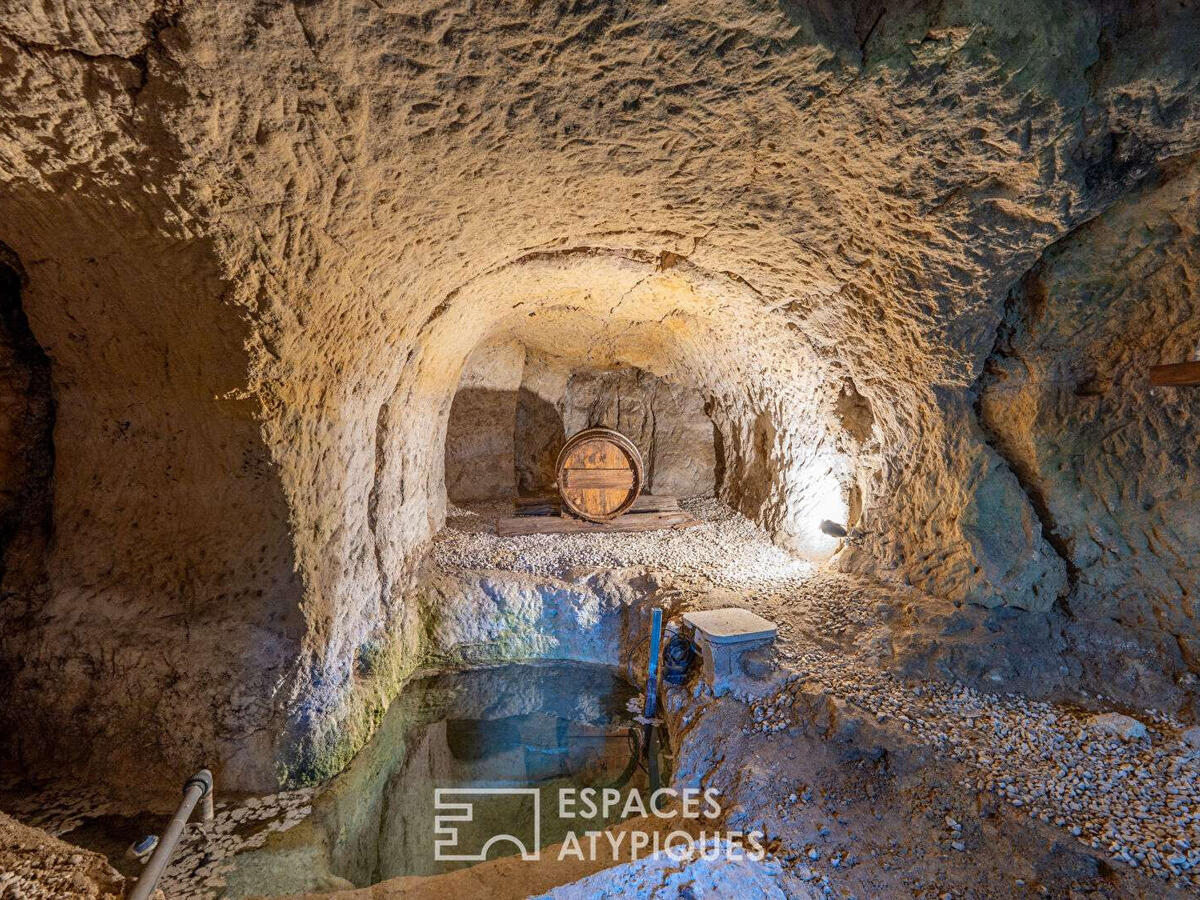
(258, 240)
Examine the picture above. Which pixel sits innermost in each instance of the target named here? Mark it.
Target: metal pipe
(198, 787)
(206, 802)
(649, 750)
(652, 674)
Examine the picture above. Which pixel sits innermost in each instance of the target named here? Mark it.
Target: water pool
(535, 727)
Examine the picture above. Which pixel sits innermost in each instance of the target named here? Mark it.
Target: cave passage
(504, 434)
(299, 303)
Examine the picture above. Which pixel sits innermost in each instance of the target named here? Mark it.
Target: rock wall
(478, 616)
(26, 485)
(26, 454)
(167, 630)
(168, 626)
(540, 426)
(1109, 462)
(512, 413)
(262, 240)
(667, 422)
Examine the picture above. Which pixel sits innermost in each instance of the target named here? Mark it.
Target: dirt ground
(35, 866)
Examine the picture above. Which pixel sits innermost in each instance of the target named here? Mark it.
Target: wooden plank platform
(541, 515)
(1175, 374)
(631, 521)
(551, 506)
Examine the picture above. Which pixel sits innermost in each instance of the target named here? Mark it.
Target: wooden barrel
(599, 474)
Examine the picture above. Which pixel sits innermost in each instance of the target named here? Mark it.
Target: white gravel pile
(57, 809)
(726, 549)
(713, 869)
(1136, 801)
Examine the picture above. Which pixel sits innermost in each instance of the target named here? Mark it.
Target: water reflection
(540, 726)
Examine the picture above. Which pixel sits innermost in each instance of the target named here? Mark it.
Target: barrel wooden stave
(599, 474)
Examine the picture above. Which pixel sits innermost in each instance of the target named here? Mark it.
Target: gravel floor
(197, 871)
(726, 549)
(1137, 801)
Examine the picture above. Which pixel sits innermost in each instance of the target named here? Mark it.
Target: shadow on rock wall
(540, 437)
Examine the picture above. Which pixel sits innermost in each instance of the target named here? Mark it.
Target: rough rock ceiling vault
(260, 238)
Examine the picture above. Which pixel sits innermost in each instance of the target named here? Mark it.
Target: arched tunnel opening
(887, 318)
(653, 346)
(514, 410)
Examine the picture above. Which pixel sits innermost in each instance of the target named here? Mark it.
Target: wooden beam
(647, 521)
(1175, 374)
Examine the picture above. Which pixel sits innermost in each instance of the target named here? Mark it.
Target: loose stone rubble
(726, 550)
(1126, 728)
(1135, 800)
(35, 866)
(197, 870)
(712, 873)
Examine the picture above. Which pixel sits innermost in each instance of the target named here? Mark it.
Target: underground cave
(602, 448)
